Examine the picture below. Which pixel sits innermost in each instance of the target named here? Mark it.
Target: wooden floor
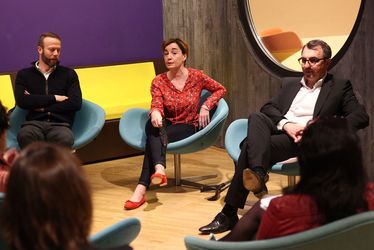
(170, 213)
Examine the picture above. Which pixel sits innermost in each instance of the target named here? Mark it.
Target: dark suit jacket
(336, 98)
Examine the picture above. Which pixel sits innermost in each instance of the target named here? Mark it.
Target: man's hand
(61, 98)
(294, 130)
(204, 118)
(156, 119)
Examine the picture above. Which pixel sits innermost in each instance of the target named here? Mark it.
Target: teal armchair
(88, 122)
(131, 128)
(354, 232)
(236, 133)
(119, 234)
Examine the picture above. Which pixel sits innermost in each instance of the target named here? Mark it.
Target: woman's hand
(156, 119)
(204, 118)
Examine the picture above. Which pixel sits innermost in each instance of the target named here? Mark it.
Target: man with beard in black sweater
(52, 95)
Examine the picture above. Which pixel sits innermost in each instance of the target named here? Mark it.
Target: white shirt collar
(316, 85)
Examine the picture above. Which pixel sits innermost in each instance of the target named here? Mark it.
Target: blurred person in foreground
(48, 203)
(333, 185)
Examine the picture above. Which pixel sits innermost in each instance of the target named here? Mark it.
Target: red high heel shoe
(129, 205)
(159, 179)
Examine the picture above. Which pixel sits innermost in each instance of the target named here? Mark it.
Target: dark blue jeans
(155, 150)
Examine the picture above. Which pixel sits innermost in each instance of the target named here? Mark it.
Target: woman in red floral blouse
(175, 107)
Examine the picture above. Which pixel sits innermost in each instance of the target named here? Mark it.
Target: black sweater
(41, 102)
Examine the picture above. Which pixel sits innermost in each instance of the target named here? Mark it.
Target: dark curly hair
(4, 120)
(331, 168)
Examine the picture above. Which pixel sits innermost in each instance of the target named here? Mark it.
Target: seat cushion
(6, 93)
(119, 87)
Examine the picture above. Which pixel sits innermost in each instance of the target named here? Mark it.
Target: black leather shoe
(221, 223)
(252, 181)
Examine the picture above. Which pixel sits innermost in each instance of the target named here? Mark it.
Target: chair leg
(192, 181)
(177, 169)
(188, 181)
(291, 181)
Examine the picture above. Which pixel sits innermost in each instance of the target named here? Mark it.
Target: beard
(50, 62)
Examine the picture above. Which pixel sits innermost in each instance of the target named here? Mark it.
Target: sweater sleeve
(27, 100)
(74, 94)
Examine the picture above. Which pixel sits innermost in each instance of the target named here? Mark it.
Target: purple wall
(92, 31)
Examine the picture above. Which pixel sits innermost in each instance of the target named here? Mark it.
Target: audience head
(331, 167)
(4, 125)
(48, 202)
(182, 45)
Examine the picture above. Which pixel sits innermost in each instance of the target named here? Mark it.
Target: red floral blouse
(182, 106)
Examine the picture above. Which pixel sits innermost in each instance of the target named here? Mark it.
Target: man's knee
(29, 134)
(257, 116)
(260, 120)
(61, 136)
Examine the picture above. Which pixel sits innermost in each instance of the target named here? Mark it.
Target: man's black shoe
(221, 223)
(254, 182)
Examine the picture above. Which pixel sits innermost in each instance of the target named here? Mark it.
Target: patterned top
(182, 106)
(4, 174)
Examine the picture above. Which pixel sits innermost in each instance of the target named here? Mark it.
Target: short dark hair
(183, 46)
(315, 43)
(4, 120)
(48, 202)
(47, 34)
(331, 168)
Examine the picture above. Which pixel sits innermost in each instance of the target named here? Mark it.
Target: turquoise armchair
(118, 234)
(88, 122)
(354, 232)
(132, 131)
(236, 133)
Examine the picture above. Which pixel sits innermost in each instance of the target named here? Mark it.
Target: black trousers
(264, 146)
(54, 132)
(155, 151)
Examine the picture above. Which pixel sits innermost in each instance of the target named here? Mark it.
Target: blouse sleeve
(217, 90)
(157, 102)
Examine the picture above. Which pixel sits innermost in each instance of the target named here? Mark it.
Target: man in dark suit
(273, 133)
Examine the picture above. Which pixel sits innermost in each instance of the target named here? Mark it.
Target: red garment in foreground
(5, 163)
(4, 174)
(293, 213)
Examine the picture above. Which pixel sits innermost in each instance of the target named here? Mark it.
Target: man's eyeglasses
(312, 61)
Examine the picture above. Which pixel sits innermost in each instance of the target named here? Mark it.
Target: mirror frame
(267, 61)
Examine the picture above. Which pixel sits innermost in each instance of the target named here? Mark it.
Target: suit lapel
(290, 95)
(324, 93)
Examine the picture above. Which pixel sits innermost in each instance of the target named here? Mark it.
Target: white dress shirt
(302, 107)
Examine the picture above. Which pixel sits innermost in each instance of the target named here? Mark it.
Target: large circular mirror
(280, 28)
